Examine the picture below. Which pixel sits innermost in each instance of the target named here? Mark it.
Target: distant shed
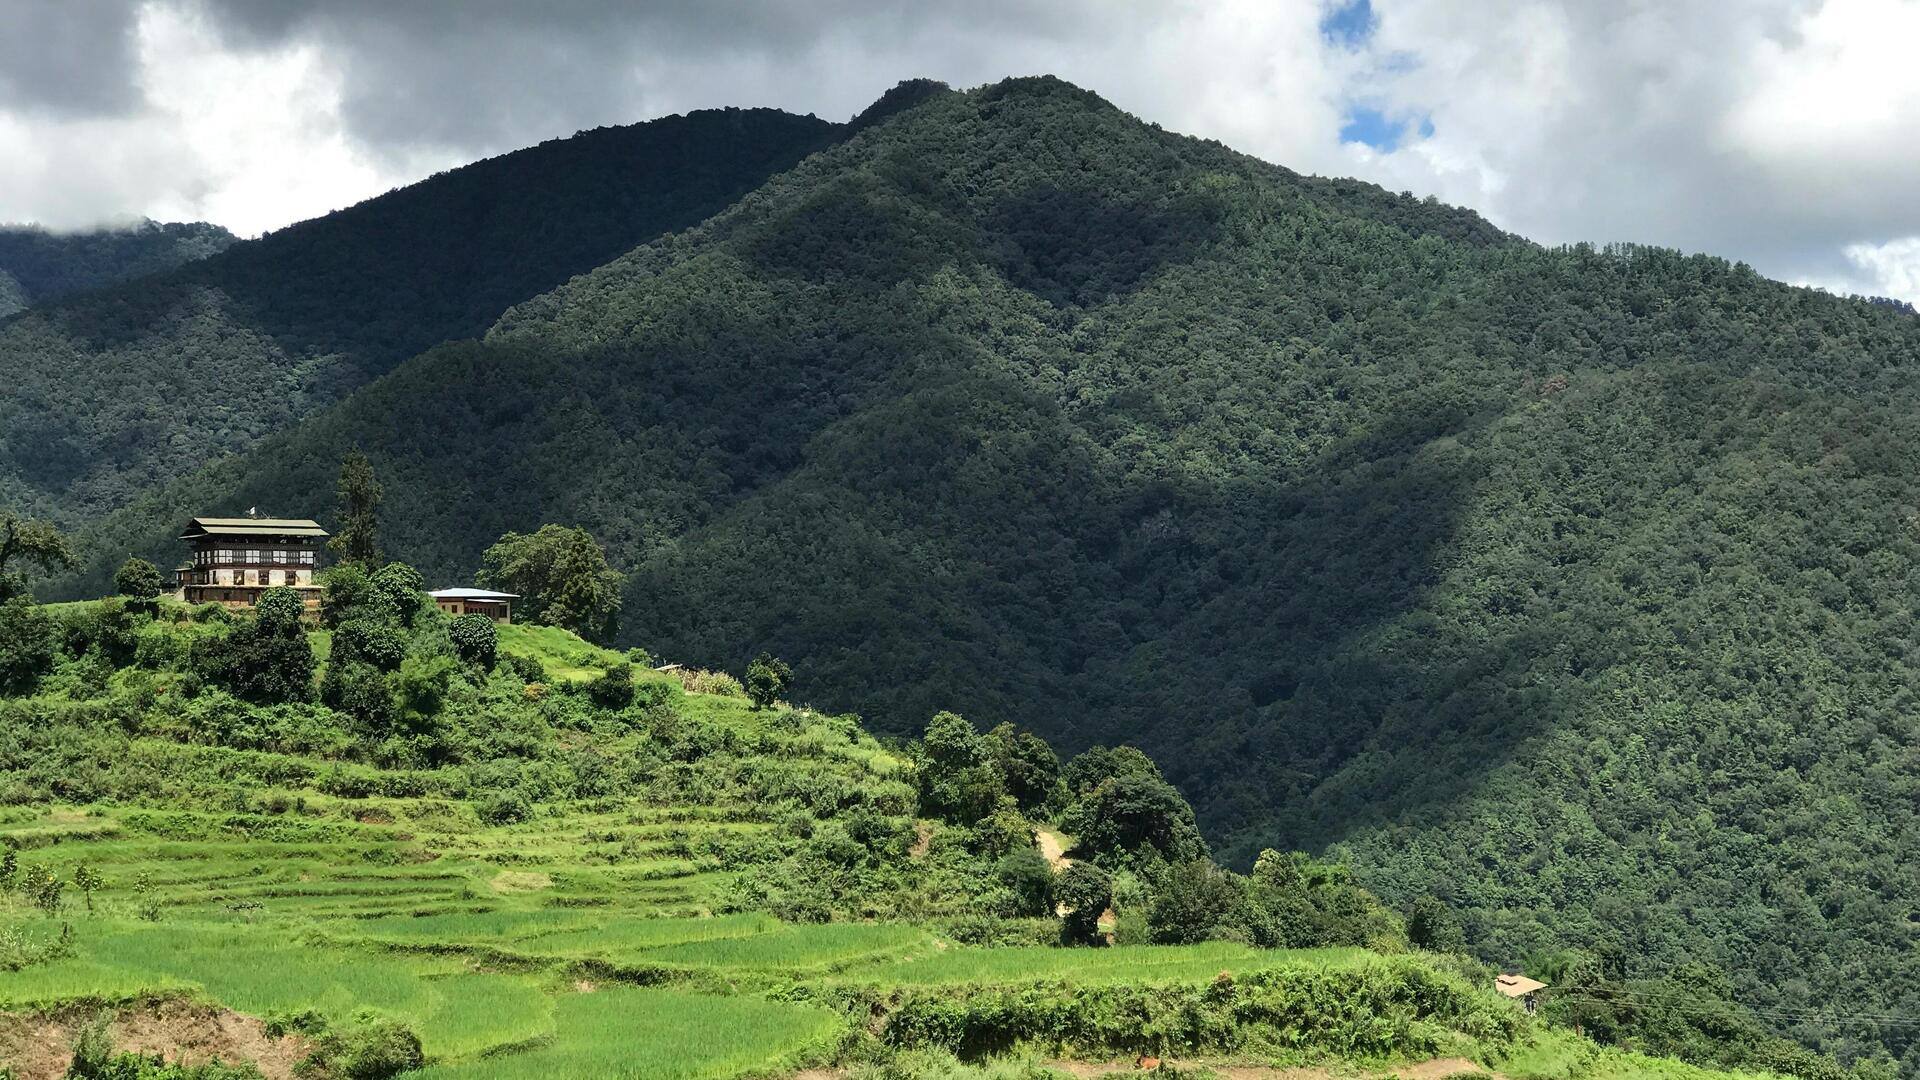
(1526, 990)
(497, 606)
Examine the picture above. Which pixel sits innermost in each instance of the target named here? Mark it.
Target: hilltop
(561, 863)
(1574, 586)
(119, 389)
(39, 265)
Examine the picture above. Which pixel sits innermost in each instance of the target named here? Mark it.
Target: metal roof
(472, 594)
(215, 526)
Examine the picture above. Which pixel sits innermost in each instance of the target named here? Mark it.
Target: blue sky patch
(1380, 131)
(1350, 24)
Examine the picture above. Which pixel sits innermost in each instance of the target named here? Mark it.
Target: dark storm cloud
(68, 57)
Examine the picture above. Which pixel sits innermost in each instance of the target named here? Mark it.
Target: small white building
(497, 606)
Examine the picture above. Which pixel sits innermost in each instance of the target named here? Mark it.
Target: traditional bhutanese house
(497, 606)
(1519, 986)
(233, 560)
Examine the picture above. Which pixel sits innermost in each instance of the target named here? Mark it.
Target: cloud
(1775, 131)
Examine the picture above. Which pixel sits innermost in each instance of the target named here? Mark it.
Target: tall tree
(23, 541)
(358, 540)
(562, 577)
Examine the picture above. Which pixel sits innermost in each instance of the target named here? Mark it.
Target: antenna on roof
(253, 511)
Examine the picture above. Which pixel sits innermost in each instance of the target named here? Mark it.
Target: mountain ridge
(1572, 584)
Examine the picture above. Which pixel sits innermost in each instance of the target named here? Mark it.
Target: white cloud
(1774, 131)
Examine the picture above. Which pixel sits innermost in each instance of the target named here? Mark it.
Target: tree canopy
(562, 578)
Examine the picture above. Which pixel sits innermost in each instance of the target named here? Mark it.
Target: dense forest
(114, 391)
(1575, 586)
(38, 265)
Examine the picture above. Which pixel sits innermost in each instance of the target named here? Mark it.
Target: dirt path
(1054, 847)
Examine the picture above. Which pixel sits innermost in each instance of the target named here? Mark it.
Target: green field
(684, 887)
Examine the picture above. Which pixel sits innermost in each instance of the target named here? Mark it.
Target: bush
(139, 579)
(767, 679)
(1197, 901)
(27, 645)
(1129, 815)
(400, 592)
(504, 808)
(475, 641)
(369, 641)
(371, 1048)
(719, 683)
(527, 669)
(1029, 876)
(613, 690)
(1085, 891)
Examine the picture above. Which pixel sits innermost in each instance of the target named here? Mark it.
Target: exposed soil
(40, 1047)
(1054, 847)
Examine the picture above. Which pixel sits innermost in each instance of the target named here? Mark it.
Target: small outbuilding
(497, 606)
(1526, 990)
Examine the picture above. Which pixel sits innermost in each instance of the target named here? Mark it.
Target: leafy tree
(1133, 815)
(139, 579)
(1084, 891)
(88, 881)
(23, 543)
(1097, 764)
(400, 590)
(1027, 874)
(1031, 768)
(358, 538)
(1196, 901)
(957, 778)
(43, 888)
(9, 866)
(28, 644)
(562, 578)
(265, 660)
(475, 640)
(346, 591)
(767, 678)
(1432, 925)
(369, 640)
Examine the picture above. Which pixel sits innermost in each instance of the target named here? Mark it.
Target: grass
(661, 1035)
(1126, 963)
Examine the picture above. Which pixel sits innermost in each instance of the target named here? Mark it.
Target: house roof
(471, 594)
(218, 526)
(1517, 985)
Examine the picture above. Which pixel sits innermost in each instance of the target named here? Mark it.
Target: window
(253, 555)
(225, 555)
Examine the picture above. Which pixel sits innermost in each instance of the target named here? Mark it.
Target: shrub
(139, 579)
(475, 641)
(27, 645)
(1196, 901)
(1129, 815)
(369, 641)
(613, 690)
(719, 683)
(1084, 890)
(767, 679)
(527, 669)
(371, 1048)
(504, 807)
(400, 591)
(267, 660)
(1029, 877)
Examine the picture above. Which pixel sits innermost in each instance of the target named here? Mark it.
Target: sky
(1785, 133)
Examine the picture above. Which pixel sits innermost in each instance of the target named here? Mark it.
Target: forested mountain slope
(38, 265)
(112, 392)
(1575, 585)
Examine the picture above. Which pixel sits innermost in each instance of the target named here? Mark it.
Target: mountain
(1574, 585)
(114, 391)
(38, 265)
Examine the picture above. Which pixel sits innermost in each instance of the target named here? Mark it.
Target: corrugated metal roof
(215, 526)
(471, 594)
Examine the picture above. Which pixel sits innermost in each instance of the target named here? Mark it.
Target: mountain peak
(905, 95)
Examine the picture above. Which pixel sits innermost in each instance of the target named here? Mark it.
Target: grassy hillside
(38, 266)
(1573, 585)
(115, 391)
(568, 890)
